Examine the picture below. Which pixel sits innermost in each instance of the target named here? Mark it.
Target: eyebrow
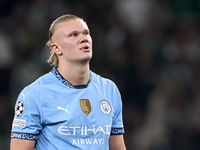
(79, 31)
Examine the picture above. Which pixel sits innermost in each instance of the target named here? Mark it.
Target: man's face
(72, 41)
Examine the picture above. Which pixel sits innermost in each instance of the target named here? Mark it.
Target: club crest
(105, 107)
(85, 106)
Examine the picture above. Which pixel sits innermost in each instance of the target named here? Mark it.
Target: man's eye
(86, 33)
(74, 34)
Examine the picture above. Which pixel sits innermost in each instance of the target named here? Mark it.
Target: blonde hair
(53, 58)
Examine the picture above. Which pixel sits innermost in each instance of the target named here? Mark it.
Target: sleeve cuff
(115, 131)
(25, 136)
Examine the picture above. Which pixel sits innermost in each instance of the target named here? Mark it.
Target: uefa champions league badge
(20, 109)
(105, 107)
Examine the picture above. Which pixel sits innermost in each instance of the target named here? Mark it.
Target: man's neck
(76, 75)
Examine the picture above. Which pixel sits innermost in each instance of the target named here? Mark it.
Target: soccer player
(71, 107)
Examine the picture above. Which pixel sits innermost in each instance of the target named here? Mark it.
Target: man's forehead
(72, 25)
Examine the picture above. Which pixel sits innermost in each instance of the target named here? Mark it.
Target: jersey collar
(67, 83)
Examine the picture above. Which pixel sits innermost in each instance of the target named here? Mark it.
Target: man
(70, 107)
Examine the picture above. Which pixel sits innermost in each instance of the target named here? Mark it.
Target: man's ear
(56, 49)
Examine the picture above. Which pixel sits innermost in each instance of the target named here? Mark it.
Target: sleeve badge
(20, 109)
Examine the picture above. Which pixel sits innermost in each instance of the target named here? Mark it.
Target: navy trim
(26, 136)
(80, 86)
(67, 83)
(117, 131)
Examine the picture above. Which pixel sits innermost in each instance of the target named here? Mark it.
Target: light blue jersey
(60, 116)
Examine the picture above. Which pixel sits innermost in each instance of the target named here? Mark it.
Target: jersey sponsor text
(88, 141)
(83, 130)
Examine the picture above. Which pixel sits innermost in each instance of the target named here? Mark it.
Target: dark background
(149, 48)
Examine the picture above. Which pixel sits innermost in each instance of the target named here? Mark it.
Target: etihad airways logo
(83, 130)
(88, 141)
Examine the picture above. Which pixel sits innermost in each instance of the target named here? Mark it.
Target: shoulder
(103, 82)
(100, 79)
(35, 87)
(43, 80)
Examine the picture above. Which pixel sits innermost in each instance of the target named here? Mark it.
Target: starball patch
(20, 109)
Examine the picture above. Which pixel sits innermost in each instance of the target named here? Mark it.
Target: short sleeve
(26, 123)
(117, 124)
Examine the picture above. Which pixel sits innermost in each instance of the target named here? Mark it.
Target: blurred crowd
(149, 48)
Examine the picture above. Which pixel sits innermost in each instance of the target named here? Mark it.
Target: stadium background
(149, 48)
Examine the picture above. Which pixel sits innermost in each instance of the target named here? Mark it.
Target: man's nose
(84, 39)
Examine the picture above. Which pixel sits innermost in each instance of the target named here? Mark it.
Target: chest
(77, 110)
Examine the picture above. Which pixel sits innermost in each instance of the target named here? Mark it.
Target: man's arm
(20, 144)
(116, 142)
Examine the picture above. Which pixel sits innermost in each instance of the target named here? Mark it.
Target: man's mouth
(85, 48)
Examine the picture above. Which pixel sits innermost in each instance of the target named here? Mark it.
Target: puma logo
(24, 95)
(59, 107)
